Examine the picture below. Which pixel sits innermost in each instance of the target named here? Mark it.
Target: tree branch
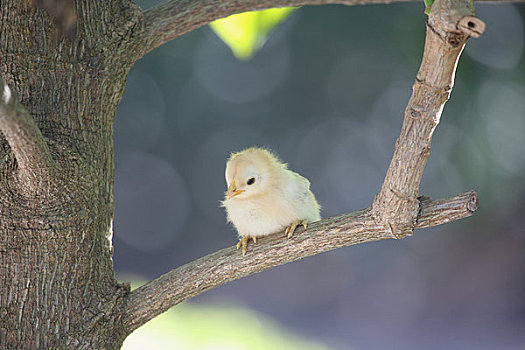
(396, 204)
(34, 161)
(397, 210)
(174, 18)
(213, 270)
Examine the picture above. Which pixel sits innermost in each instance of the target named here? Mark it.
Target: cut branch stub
(396, 204)
(471, 25)
(33, 158)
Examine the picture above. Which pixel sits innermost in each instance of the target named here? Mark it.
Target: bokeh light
(240, 81)
(152, 198)
(502, 43)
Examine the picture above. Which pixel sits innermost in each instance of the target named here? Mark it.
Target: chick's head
(251, 173)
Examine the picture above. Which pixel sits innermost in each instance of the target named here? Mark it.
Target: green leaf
(245, 33)
(428, 5)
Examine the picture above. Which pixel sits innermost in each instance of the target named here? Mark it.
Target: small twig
(34, 161)
(443, 46)
(228, 264)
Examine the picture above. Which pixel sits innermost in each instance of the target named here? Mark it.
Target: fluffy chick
(265, 197)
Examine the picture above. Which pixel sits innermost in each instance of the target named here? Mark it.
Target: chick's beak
(233, 191)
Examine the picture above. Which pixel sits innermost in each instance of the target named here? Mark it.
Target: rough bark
(57, 286)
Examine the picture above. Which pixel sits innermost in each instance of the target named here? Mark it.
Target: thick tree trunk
(57, 287)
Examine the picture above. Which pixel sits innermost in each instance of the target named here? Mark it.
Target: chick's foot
(291, 228)
(243, 242)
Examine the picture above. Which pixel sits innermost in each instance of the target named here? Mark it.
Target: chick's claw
(243, 242)
(291, 228)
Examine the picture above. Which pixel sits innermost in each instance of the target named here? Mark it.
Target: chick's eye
(250, 181)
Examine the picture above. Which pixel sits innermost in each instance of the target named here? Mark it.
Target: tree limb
(174, 18)
(396, 211)
(34, 161)
(396, 204)
(213, 270)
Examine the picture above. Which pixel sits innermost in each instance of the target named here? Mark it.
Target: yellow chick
(265, 197)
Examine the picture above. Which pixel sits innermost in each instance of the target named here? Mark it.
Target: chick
(265, 197)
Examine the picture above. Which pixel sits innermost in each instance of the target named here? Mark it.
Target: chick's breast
(273, 211)
(259, 216)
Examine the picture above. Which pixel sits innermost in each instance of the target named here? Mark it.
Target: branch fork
(449, 25)
(396, 210)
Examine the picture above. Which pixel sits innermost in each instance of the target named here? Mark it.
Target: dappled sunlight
(203, 326)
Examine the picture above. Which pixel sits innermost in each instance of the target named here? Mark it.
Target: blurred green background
(327, 92)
